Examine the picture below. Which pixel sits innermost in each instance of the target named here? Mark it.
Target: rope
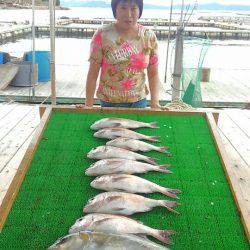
(178, 105)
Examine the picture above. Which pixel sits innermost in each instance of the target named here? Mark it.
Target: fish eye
(90, 200)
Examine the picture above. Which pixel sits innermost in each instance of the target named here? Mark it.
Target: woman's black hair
(114, 4)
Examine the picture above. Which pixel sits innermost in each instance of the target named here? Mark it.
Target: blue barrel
(1, 58)
(43, 61)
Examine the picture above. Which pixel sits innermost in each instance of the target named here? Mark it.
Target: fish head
(95, 152)
(93, 168)
(89, 171)
(71, 241)
(100, 181)
(94, 204)
(99, 124)
(101, 133)
(81, 224)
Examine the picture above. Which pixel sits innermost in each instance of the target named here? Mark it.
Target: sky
(167, 2)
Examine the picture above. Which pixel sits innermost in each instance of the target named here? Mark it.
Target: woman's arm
(93, 73)
(153, 79)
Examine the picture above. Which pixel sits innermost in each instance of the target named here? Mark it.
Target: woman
(123, 51)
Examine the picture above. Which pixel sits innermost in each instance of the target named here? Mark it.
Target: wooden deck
(18, 124)
(227, 88)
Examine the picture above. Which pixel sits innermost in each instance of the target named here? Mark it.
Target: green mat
(55, 189)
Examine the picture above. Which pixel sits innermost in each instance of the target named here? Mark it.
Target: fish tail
(151, 160)
(153, 125)
(169, 205)
(163, 169)
(153, 138)
(162, 149)
(163, 235)
(170, 192)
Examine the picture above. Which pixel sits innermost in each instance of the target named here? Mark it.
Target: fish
(125, 204)
(112, 133)
(106, 152)
(131, 184)
(121, 123)
(109, 223)
(134, 145)
(89, 240)
(123, 166)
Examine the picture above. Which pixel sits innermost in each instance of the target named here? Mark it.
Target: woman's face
(127, 14)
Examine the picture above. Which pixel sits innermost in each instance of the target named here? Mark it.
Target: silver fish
(106, 152)
(124, 204)
(131, 184)
(87, 240)
(134, 145)
(112, 133)
(123, 166)
(121, 123)
(116, 224)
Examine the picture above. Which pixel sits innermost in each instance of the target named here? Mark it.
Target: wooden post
(205, 74)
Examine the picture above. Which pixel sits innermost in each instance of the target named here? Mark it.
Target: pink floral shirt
(123, 63)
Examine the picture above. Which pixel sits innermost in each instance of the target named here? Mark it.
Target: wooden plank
(17, 135)
(230, 88)
(42, 109)
(23, 168)
(236, 162)
(235, 135)
(13, 118)
(246, 113)
(234, 177)
(7, 73)
(7, 175)
(6, 109)
(65, 108)
(240, 119)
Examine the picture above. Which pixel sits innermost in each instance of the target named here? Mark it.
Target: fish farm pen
(65, 28)
(54, 190)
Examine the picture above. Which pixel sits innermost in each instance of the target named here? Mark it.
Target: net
(193, 57)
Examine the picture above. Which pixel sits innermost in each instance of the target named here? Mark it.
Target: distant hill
(103, 4)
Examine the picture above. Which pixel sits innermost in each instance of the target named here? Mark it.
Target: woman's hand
(157, 106)
(83, 106)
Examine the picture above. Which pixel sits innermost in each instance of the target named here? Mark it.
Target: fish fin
(142, 236)
(151, 160)
(163, 149)
(170, 192)
(138, 221)
(163, 235)
(153, 125)
(154, 138)
(163, 169)
(117, 125)
(169, 205)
